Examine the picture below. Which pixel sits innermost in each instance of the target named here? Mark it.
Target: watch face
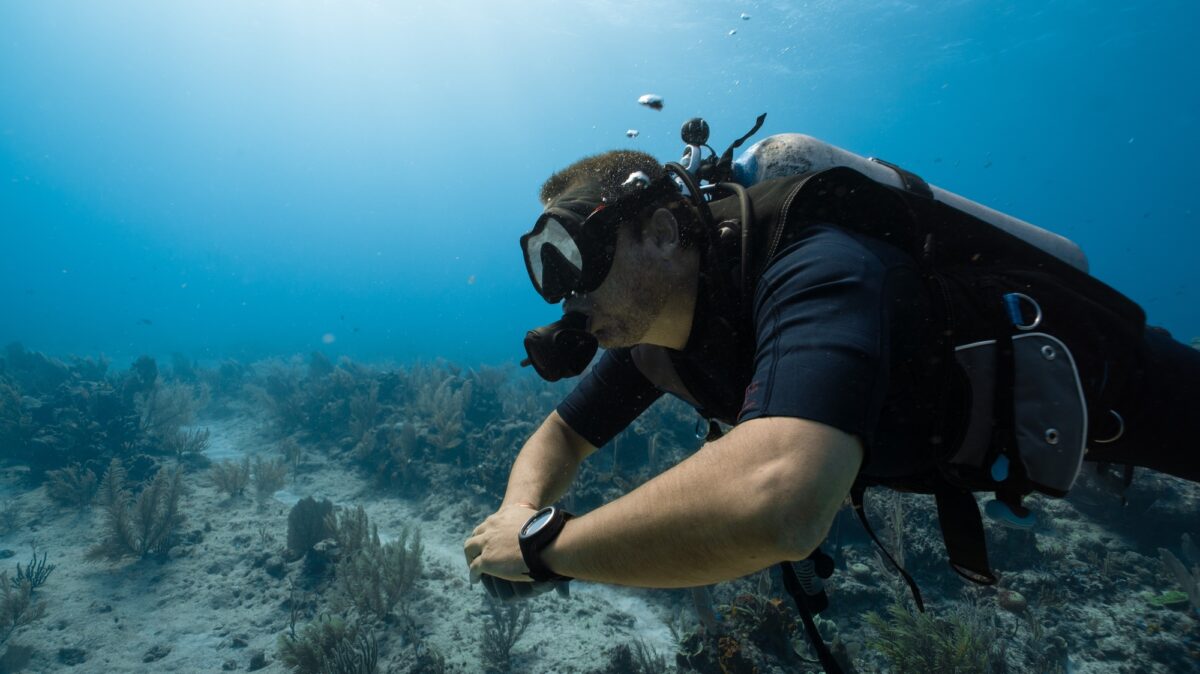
(537, 522)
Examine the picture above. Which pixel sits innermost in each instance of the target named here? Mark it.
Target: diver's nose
(577, 302)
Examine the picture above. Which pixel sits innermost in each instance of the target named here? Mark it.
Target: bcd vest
(1033, 351)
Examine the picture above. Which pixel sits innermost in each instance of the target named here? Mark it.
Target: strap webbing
(856, 499)
(724, 170)
(912, 182)
(962, 531)
(792, 583)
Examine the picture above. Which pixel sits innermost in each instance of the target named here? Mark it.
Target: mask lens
(553, 258)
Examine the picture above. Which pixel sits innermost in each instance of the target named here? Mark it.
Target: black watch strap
(533, 544)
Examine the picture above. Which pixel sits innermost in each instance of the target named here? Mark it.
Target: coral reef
(963, 641)
(54, 414)
(140, 526)
(432, 443)
(308, 524)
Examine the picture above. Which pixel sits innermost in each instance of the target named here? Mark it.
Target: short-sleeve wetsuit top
(839, 337)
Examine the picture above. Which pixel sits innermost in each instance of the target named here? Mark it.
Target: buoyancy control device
(1036, 349)
(1039, 344)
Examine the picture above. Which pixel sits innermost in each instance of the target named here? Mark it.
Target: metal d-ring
(1120, 430)
(1037, 318)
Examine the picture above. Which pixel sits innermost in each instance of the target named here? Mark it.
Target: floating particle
(1131, 141)
(745, 16)
(733, 32)
(471, 280)
(328, 338)
(652, 101)
(632, 133)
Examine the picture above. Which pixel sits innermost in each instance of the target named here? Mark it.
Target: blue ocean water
(249, 179)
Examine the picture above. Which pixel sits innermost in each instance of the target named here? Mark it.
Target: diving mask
(571, 246)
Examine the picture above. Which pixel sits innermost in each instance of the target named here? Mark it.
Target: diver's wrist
(555, 557)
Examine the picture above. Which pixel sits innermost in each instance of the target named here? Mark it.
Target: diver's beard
(644, 305)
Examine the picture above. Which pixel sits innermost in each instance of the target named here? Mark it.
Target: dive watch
(539, 532)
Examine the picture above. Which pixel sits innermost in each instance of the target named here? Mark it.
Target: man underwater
(823, 346)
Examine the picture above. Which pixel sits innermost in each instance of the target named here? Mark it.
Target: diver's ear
(662, 229)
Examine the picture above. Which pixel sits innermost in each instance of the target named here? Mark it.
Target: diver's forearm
(706, 520)
(545, 466)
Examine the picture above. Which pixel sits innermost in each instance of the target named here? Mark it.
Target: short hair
(610, 170)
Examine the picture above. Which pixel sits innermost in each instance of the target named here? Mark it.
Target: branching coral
(391, 453)
(443, 408)
(308, 524)
(508, 623)
(1187, 577)
(329, 646)
(13, 419)
(165, 407)
(186, 445)
(636, 658)
(269, 476)
(373, 577)
(919, 642)
(72, 486)
(231, 477)
(141, 526)
(17, 607)
(364, 410)
(36, 573)
(381, 577)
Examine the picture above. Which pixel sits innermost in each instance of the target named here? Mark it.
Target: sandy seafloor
(212, 606)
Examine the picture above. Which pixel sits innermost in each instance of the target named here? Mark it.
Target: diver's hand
(494, 549)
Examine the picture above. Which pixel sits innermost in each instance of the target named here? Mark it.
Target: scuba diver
(852, 326)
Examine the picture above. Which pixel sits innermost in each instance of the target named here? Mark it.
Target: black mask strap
(724, 171)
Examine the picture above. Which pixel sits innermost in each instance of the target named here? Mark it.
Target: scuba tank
(789, 154)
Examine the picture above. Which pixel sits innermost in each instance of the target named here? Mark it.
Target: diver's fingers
(473, 566)
(472, 546)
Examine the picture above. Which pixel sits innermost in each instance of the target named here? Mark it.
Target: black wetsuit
(838, 335)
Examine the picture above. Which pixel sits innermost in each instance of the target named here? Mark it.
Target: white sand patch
(213, 603)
